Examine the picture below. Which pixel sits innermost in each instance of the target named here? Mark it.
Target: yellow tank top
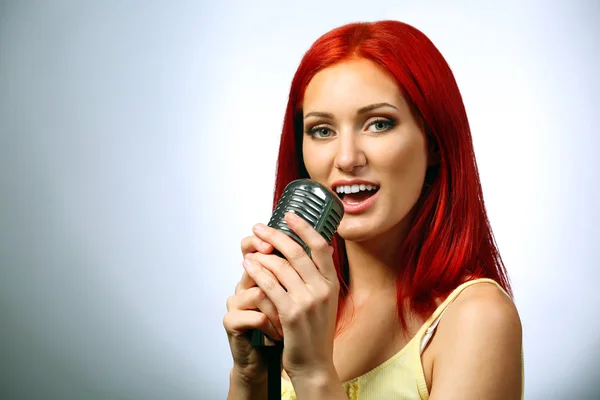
(401, 376)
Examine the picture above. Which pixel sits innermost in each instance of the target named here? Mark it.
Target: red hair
(450, 239)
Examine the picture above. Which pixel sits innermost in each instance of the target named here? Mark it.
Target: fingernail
(248, 264)
(331, 249)
(292, 216)
(264, 245)
(259, 227)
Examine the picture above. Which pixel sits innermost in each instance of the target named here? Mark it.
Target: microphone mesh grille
(315, 203)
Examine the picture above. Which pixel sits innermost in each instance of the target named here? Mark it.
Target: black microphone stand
(272, 352)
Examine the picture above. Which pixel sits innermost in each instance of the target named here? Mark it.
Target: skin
(386, 145)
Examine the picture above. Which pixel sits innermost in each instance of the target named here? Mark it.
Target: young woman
(412, 300)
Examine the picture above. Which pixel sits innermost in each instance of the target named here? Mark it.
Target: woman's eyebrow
(361, 110)
(319, 114)
(375, 106)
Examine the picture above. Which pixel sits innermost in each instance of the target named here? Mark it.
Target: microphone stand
(272, 351)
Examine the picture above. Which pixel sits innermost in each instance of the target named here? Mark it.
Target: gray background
(137, 147)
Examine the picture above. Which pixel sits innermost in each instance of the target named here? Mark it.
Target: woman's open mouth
(357, 197)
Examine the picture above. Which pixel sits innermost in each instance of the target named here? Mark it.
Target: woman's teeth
(354, 188)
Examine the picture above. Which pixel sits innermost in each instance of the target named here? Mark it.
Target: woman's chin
(356, 232)
(372, 227)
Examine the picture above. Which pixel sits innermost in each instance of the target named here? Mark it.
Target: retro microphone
(323, 210)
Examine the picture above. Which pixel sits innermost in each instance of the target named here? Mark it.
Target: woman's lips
(362, 206)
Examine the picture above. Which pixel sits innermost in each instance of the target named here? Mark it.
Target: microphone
(316, 204)
(323, 210)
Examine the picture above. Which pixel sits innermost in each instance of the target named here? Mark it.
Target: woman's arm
(319, 385)
(479, 350)
(241, 389)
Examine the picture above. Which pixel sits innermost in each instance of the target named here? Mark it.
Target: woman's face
(359, 131)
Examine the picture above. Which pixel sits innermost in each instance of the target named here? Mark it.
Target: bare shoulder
(485, 308)
(478, 349)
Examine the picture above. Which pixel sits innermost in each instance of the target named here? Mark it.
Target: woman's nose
(349, 153)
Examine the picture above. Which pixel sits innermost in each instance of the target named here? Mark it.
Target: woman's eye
(380, 125)
(320, 132)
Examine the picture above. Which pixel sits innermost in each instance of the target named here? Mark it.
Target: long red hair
(450, 239)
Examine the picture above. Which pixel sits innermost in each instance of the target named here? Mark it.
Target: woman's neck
(368, 271)
(373, 264)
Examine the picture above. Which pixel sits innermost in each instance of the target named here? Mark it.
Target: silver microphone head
(317, 205)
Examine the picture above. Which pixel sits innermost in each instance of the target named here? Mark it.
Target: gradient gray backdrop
(137, 147)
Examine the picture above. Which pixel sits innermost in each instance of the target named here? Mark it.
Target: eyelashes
(387, 124)
(318, 131)
(377, 125)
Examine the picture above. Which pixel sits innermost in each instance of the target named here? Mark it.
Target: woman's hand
(304, 292)
(250, 309)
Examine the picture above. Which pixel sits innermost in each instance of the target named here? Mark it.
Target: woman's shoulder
(481, 312)
(483, 303)
(479, 342)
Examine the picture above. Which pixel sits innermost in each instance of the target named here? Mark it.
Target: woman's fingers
(245, 283)
(255, 299)
(305, 266)
(284, 272)
(269, 283)
(252, 244)
(238, 322)
(321, 252)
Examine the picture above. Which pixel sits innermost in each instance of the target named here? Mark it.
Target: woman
(412, 300)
